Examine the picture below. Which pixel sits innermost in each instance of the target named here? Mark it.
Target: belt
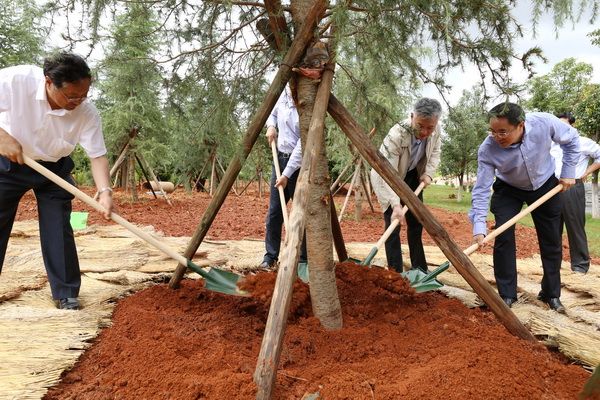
(578, 181)
(284, 155)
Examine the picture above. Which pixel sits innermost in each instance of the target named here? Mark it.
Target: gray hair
(427, 108)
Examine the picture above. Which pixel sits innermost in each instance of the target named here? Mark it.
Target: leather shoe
(267, 265)
(553, 302)
(556, 305)
(579, 270)
(68, 303)
(508, 301)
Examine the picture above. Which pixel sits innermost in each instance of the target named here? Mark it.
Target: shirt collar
(41, 91)
(42, 96)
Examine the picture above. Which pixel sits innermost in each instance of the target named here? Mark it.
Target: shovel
(302, 266)
(215, 279)
(279, 188)
(388, 231)
(471, 249)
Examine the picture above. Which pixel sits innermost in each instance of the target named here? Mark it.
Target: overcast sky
(572, 41)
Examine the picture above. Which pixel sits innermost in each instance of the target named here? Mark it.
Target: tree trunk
(323, 289)
(131, 180)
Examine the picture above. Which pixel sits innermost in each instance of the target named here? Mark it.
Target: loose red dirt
(395, 344)
(195, 344)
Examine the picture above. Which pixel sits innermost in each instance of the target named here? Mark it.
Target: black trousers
(573, 215)
(274, 220)
(414, 233)
(507, 202)
(54, 213)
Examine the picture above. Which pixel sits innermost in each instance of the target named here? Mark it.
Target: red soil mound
(194, 344)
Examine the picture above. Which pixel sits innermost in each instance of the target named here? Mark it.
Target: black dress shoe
(541, 296)
(508, 301)
(556, 305)
(68, 303)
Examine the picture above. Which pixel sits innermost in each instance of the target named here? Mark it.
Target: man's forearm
(100, 172)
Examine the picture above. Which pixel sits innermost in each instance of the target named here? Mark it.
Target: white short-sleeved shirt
(45, 134)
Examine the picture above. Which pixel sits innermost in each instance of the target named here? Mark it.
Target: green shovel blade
(303, 271)
(218, 280)
(422, 282)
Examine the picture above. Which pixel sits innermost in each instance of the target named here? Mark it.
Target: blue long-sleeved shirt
(525, 165)
(285, 118)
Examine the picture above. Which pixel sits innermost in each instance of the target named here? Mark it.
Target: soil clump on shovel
(195, 344)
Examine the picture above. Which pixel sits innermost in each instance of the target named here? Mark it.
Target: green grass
(440, 196)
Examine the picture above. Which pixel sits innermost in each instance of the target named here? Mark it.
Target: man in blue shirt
(515, 158)
(283, 126)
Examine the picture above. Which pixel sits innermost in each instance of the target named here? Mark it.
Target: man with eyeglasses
(413, 147)
(44, 115)
(516, 160)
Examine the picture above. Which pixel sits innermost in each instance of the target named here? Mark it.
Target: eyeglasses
(502, 134)
(72, 99)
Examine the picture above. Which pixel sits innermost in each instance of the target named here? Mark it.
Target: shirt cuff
(288, 172)
(567, 172)
(479, 228)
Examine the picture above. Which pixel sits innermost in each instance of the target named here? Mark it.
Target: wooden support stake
(336, 230)
(352, 184)
(277, 24)
(213, 174)
(119, 160)
(339, 178)
(155, 179)
(146, 176)
(460, 260)
(295, 52)
(272, 344)
(367, 189)
(131, 177)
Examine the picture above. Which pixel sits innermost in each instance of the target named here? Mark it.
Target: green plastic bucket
(79, 220)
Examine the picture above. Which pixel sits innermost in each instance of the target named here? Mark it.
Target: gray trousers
(573, 216)
(54, 212)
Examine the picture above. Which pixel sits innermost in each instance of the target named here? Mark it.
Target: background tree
(130, 84)
(21, 39)
(465, 128)
(588, 123)
(561, 89)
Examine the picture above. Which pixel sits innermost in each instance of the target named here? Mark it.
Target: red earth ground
(243, 217)
(194, 344)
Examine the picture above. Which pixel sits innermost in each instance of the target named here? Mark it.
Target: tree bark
(312, 109)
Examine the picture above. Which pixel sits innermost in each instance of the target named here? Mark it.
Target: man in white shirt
(44, 114)
(573, 200)
(283, 120)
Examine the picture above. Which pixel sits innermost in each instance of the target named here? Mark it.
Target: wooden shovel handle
(395, 222)
(279, 188)
(471, 249)
(115, 217)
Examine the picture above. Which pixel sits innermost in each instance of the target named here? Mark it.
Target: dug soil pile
(395, 344)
